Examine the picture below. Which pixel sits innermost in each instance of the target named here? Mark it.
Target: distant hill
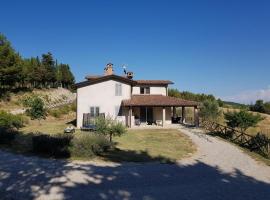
(230, 104)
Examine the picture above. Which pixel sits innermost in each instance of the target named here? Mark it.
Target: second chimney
(108, 70)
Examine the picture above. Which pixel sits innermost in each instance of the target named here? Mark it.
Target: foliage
(190, 96)
(52, 145)
(229, 104)
(63, 110)
(37, 109)
(109, 127)
(10, 121)
(17, 72)
(261, 106)
(220, 103)
(8, 125)
(242, 120)
(210, 110)
(88, 145)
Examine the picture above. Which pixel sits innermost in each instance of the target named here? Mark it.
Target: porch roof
(157, 100)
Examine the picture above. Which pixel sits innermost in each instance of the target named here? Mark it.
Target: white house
(133, 102)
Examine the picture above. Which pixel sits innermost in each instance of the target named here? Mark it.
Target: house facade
(132, 102)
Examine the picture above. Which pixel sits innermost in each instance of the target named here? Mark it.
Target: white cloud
(251, 96)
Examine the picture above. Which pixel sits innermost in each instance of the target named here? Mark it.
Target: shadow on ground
(31, 177)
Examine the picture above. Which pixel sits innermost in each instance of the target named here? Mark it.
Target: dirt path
(218, 171)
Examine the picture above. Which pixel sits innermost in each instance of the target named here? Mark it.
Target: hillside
(263, 126)
(52, 98)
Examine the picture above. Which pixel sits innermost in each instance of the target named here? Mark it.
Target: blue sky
(220, 47)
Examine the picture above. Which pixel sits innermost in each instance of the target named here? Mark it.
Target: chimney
(108, 70)
(130, 75)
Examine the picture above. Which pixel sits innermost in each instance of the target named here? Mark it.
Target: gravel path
(218, 171)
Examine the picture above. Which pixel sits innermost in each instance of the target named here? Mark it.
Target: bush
(242, 120)
(109, 127)
(10, 121)
(37, 108)
(87, 145)
(210, 111)
(63, 110)
(52, 145)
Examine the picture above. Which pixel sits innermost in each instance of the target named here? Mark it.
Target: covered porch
(158, 110)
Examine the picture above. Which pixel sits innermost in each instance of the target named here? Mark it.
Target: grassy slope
(263, 126)
(54, 95)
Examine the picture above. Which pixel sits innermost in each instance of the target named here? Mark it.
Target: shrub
(52, 145)
(210, 110)
(242, 120)
(109, 127)
(87, 145)
(58, 112)
(37, 109)
(10, 121)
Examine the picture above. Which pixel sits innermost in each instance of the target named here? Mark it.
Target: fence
(258, 143)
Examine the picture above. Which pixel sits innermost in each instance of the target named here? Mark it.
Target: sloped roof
(99, 79)
(153, 82)
(92, 79)
(157, 100)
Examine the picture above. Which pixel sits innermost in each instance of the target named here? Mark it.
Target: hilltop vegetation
(18, 73)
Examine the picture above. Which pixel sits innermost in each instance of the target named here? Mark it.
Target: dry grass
(164, 145)
(263, 126)
(50, 126)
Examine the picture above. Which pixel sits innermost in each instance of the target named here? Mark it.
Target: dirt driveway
(218, 170)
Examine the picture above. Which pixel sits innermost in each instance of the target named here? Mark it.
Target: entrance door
(146, 114)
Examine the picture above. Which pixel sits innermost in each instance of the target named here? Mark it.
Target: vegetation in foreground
(47, 139)
(162, 145)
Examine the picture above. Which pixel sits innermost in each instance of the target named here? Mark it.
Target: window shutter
(120, 89)
(97, 111)
(92, 111)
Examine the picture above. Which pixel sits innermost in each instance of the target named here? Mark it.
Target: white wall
(162, 90)
(157, 114)
(100, 95)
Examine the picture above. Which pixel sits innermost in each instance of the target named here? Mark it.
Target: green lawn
(162, 145)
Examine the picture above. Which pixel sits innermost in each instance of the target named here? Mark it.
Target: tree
(190, 96)
(9, 64)
(109, 127)
(47, 62)
(220, 103)
(258, 106)
(210, 111)
(267, 107)
(242, 120)
(36, 108)
(64, 76)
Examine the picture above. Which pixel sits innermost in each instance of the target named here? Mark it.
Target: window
(94, 111)
(118, 89)
(145, 90)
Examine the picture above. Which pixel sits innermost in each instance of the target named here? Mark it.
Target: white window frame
(96, 114)
(118, 89)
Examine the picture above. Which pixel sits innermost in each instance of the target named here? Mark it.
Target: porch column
(183, 119)
(196, 116)
(163, 116)
(130, 117)
(174, 112)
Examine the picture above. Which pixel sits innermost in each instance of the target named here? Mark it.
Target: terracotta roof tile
(153, 82)
(157, 100)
